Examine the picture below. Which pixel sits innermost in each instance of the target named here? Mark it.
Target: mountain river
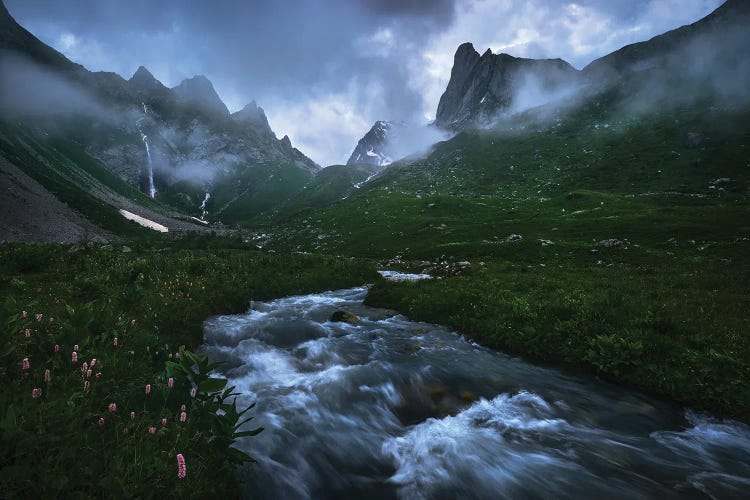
(391, 408)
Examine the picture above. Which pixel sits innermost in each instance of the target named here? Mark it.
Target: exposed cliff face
(372, 149)
(480, 87)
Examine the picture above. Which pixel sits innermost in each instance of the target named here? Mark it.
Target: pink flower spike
(177, 355)
(193, 392)
(181, 469)
(88, 373)
(170, 382)
(38, 317)
(93, 362)
(57, 347)
(47, 375)
(24, 314)
(163, 422)
(36, 393)
(98, 374)
(101, 421)
(114, 342)
(75, 347)
(112, 407)
(25, 364)
(84, 367)
(132, 415)
(27, 332)
(182, 408)
(132, 323)
(183, 416)
(86, 386)
(148, 388)
(152, 430)
(74, 357)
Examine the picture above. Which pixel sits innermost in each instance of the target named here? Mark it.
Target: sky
(325, 70)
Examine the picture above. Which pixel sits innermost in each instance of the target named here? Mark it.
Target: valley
(581, 239)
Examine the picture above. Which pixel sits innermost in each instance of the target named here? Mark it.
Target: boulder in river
(345, 317)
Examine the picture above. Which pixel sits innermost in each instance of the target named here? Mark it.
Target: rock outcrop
(481, 87)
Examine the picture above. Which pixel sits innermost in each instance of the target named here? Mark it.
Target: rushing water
(203, 205)
(151, 187)
(388, 408)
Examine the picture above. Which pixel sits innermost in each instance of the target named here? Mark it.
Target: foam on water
(388, 408)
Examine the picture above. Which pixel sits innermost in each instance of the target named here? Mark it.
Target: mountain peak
(255, 116)
(482, 87)
(142, 79)
(371, 148)
(286, 142)
(199, 91)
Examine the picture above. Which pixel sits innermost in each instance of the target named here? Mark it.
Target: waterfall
(151, 188)
(203, 205)
(144, 138)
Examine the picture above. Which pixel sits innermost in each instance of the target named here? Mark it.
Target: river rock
(513, 238)
(344, 317)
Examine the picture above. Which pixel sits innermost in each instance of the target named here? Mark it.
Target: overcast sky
(326, 70)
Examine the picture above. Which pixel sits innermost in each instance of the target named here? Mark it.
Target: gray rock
(513, 238)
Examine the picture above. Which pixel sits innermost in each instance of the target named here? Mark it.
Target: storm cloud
(325, 71)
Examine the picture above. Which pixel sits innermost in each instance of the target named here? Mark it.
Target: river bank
(675, 329)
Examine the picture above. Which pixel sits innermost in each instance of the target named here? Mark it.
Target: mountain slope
(181, 140)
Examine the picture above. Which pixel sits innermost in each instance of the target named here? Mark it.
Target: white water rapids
(389, 408)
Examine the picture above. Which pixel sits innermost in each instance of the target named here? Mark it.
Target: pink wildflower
(75, 347)
(163, 422)
(148, 388)
(88, 373)
(112, 407)
(125, 430)
(114, 342)
(24, 314)
(170, 382)
(86, 386)
(74, 357)
(132, 415)
(84, 367)
(183, 416)
(57, 347)
(27, 332)
(47, 375)
(132, 322)
(38, 317)
(182, 408)
(152, 430)
(36, 393)
(193, 392)
(93, 362)
(25, 364)
(98, 374)
(101, 421)
(177, 355)
(181, 469)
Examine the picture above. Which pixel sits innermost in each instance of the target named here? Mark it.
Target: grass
(134, 312)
